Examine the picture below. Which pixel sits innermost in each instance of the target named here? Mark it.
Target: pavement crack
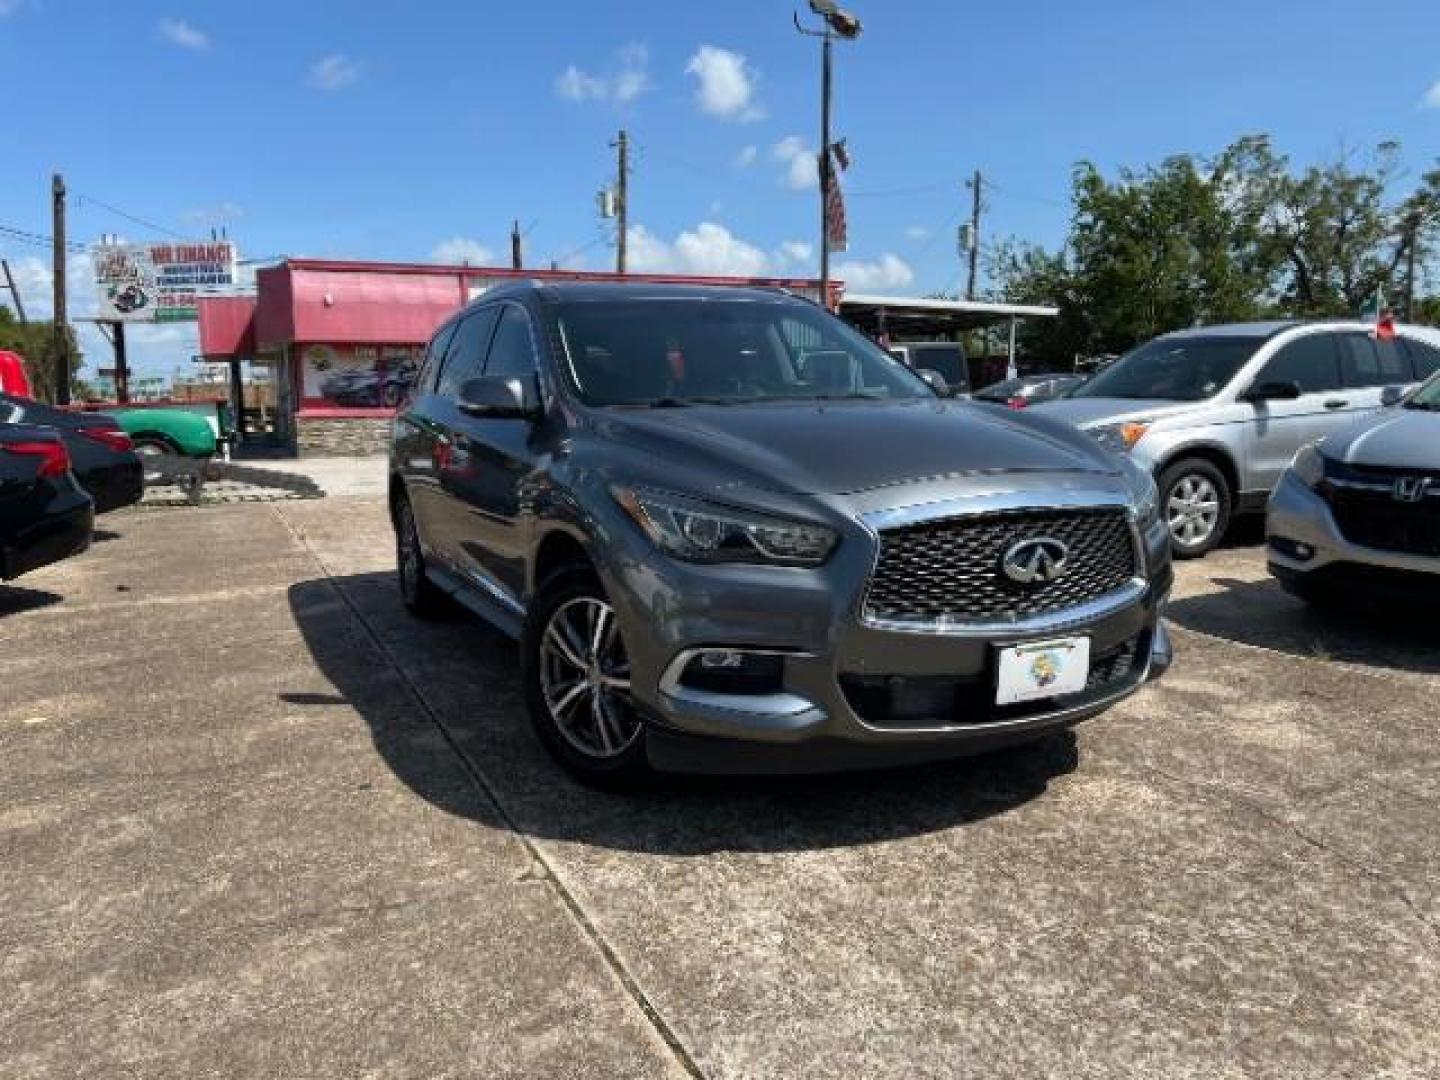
(1254, 806)
(487, 789)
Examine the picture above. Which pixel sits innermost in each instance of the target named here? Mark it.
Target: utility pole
(61, 317)
(622, 198)
(1412, 228)
(122, 368)
(516, 262)
(14, 292)
(975, 184)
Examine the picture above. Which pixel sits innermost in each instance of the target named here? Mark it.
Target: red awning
(227, 326)
(340, 307)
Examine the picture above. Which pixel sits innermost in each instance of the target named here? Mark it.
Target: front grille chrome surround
(943, 573)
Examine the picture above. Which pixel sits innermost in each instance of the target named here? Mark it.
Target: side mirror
(1391, 396)
(497, 397)
(934, 380)
(1272, 391)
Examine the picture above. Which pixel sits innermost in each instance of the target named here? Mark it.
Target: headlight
(690, 529)
(1121, 437)
(1147, 495)
(1309, 464)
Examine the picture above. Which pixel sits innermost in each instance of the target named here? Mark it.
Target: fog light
(734, 671)
(1293, 549)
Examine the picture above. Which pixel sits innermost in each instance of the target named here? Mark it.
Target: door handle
(1336, 403)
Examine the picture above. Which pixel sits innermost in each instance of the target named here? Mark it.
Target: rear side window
(1424, 357)
(511, 354)
(1310, 361)
(1362, 364)
(435, 356)
(465, 359)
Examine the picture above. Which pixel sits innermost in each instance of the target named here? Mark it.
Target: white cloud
(1431, 100)
(917, 232)
(461, 250)
(801, 164)
(796, 251)
(181, 33)
(747, 156)
(627, 78)
(707, 249)
(727, 84)
(218, 214)
(887, 272)
(334, 72)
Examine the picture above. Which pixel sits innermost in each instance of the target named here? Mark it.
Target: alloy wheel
(1192, 510)
(585, 679)
(409, 554)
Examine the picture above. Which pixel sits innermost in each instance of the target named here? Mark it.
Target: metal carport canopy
(918, 319)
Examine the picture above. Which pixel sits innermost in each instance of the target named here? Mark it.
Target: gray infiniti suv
(733, 534)
(1216, 413)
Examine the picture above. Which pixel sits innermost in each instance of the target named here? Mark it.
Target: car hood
(1398, 438)
(1094, 411)
(847, 447)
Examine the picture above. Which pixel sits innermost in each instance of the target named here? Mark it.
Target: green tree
(35, 342)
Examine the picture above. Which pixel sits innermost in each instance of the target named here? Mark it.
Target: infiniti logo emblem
(1411, 488)
(1034, 562)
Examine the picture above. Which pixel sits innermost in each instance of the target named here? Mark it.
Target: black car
(1027, 390)
(101, 454)
(733, 534)
(45, 515)
(369, 388)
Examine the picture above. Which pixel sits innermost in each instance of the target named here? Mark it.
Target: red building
(342, 340)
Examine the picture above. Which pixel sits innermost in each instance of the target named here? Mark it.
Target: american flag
(834, 200)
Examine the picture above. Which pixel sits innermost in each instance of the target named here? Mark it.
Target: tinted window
(465, 358)
(1425, 358)
(949, 362)
(1310, 361)
(511, 352)
(435, 355)
(1362, 364)
(1189, 368)
(679, 350)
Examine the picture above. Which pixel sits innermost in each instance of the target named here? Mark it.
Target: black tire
(1196, 503)
(606, 748)
(421, 597)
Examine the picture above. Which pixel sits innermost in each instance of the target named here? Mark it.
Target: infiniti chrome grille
(950, 570)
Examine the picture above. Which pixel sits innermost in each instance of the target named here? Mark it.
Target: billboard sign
(160, 282)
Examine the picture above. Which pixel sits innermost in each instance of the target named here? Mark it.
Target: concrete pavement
(258, 822)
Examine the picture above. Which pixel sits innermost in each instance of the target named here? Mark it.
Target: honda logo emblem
(1034, 562)
(1409, 489)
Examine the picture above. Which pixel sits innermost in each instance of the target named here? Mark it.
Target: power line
(25, 236)
(81, 200)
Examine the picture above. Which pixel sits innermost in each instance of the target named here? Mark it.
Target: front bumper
(1297, 515)
(823, 715)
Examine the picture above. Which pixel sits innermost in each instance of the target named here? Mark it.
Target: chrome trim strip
(782, 704)
(1001, 502)
(1362, 485)
(495, 590)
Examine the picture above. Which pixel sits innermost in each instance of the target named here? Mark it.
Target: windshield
(1173, 369)
(661, 351)
(1427, 397)
(1002, 391)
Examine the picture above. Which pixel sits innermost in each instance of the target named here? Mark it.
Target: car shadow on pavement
(466, 674)
(1261, 613)
(14, 599)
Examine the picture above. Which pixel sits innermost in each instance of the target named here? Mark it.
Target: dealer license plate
(1042, 669)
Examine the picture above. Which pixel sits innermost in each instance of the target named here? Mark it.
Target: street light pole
(824, 172)
(842, 24)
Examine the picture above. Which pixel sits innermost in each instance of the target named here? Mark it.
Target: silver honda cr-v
(1216, 413)
(1358, 514)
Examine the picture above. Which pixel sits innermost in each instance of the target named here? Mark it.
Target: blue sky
(390, 131)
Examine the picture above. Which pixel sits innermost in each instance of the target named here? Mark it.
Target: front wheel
(577, 684)
(1196, 501)
(417, 592)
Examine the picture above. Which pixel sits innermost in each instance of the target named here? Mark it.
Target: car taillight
(54, 458)
(1018, 403)
(114, 438)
